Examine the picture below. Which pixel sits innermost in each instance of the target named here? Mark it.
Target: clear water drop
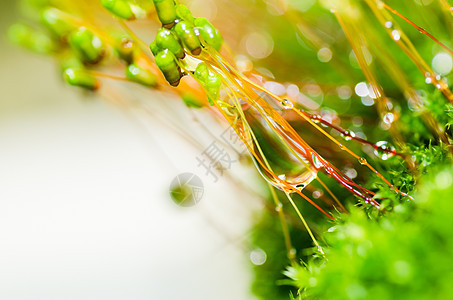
(316, 118)
(380, 150)
(287, 104)
(348, 135)
(362, 161)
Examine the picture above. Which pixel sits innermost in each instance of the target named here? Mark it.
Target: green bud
(56, 21)
(126, 50)
(209, 33)
(166, 11)
(31, 39)
(140, 75)
(120, 8)
(87, 45)
(186, 34)
(210, 81)
(192, 101)
(183, 13)
(154, 48)
(166, 61)
(166, 40)
(81, 78)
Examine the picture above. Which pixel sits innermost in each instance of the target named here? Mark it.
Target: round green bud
(166, 40)
(185, 32)
(166, 61)
(140, 75)
(120, 8)
(81, 78)
(87, 45)
(209, 33)
(166, 11)
(183, 13)
(57, 22)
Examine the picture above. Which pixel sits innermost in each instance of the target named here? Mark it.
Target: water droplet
(348, 135)
(278, 207)
(316, 118)
(287, 104)
(258, 257)
(388, 24)
(396, 35)
(380, 150)
(442, 63)
(342, 147)
(362, 161)
(428, 78)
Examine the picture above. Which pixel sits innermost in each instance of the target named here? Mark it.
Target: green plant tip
(183, 13)
(166, 11)
(210, 81)
(31, 39)
(192, 101)
(120, 8)
(166, 40)
(56, 21)
(126, 50)
(209, 33)
(185, 32)
(140, 75)
(166, 61)
(154, 48)
(81, 78)
(87, 45)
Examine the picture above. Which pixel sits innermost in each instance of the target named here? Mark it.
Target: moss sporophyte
(336, 102)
